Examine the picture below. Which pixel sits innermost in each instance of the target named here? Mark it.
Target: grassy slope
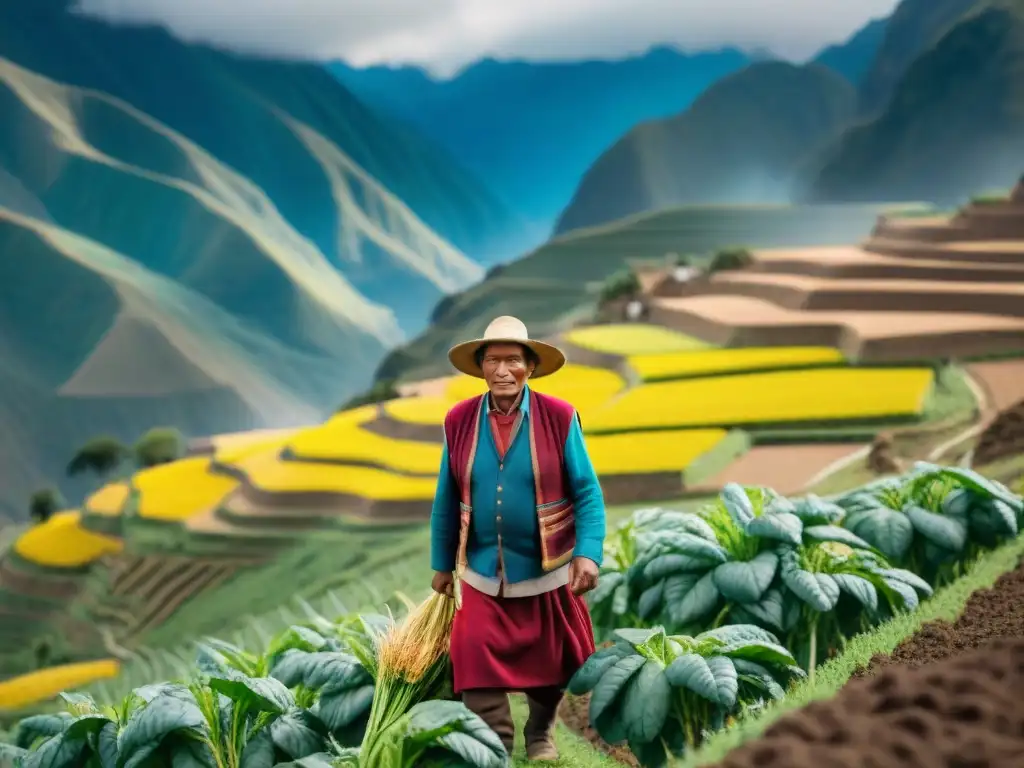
(560, 280)
(734, 144)
(954, 124)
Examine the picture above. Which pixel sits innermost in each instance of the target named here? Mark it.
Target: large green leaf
(593, 668)
(315, 670)
(766, 612)
(650, 601)
(942, 531)
(190, 753)
(746, 582)
(106, 746)
(452, 726)
(151, 724)
(762, 674)
(960, 502)
(859, 588)
(813, 510)
(37, 727)
(761, 652)
(737, 634)
(646, 703)
(605, 588)
(255, 694)
(319, 760)
(58, 752)
(907, 577)
(982, 485)
(726, 682)
(341, 706)
(906, 592)
(818, 590)
(737, 503)
(676, 588)
(612, 682)
(691, 671)
(888, 531)
(298, 733)
(783, 526)
(696, 604)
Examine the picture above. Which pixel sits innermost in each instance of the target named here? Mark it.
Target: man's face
(505, 369)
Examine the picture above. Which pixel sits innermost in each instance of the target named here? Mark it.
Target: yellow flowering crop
(420, 410)
(346, 440)
(269, 473)
(238, 444)
(632, 339)
(662, 451)
(62, 542)
(44, 684)
(178, 490)
(108, 500)
(673, 365)
(587, 388)
(827, 394)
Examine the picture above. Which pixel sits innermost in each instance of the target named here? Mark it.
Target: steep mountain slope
(738, 143)
(532, 129)
(913, 28)
(202, 240)
(853, 58)
(954, 125)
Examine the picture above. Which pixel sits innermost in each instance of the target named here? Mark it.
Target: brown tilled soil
(949, 696)
(575, 716)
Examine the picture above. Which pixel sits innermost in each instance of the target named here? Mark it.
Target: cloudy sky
(444, 35)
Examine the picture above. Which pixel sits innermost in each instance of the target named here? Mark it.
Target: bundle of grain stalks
(412, 664)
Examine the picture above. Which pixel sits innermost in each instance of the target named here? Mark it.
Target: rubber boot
(493, 708)
(540, 725)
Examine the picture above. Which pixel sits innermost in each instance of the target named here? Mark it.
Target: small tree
(380, 392)
(620, 285)
(43, 503)
(729, 259)
(160, 445)
(101, 455)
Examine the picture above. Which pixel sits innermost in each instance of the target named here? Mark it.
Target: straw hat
(506, 330)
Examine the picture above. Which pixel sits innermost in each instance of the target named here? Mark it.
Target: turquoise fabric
(520, 534)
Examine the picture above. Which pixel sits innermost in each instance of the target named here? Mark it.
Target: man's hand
(443, 583)
(582, 575)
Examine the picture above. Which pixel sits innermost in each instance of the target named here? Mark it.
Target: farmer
(520, 515)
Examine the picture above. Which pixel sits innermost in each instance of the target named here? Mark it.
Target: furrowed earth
(778, 375)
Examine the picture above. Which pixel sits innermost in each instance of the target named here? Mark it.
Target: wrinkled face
(505, 369)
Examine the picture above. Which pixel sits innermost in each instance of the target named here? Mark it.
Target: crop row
(790, 578)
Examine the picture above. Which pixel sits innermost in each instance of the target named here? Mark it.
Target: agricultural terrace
(178, 490)
(62, 542)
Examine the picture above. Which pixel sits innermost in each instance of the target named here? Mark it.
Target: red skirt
(518, 643)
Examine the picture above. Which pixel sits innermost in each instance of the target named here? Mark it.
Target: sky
(445, 35)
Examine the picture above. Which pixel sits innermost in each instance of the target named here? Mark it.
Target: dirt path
(786, 468)
(948, 696)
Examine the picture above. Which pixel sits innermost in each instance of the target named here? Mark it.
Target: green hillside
(560, 281)
(737, 143)
(193, 238)
(955, 122)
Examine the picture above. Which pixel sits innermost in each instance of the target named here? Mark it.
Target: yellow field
(420, 410)
(44, 684)
(239, 440)
(62, 542)
(632, 339)
(345, 440)
(178, 490)
(268, 473)
(673, 365)
(108, 500)
(828, 394)
(585, 387)
(665, 451)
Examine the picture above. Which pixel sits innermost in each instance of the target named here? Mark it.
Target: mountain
(532, 129)
(853, 58)
(913, 28)
(739, 142)
(954, 125)
(203, 240)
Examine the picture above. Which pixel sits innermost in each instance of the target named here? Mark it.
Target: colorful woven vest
(549, 422)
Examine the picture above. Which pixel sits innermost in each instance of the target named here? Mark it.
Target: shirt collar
(522, 402)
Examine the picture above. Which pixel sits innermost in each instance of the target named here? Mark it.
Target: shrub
(160, 445)
(43, 503)
(380, 392)
(729, 259)
(620, 285)
(101, 455)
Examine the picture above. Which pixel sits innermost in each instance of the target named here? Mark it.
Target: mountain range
(936, 116)
(205, 240)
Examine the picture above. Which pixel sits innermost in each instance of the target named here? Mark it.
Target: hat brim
(463, 356)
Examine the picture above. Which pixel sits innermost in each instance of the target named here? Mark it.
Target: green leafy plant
(663, 694)
(619, 285)
(934, 520)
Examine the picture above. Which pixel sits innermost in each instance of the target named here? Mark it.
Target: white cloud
(447, 34)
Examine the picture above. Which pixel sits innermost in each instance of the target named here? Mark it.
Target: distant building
(684, 274)
(636, 310)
